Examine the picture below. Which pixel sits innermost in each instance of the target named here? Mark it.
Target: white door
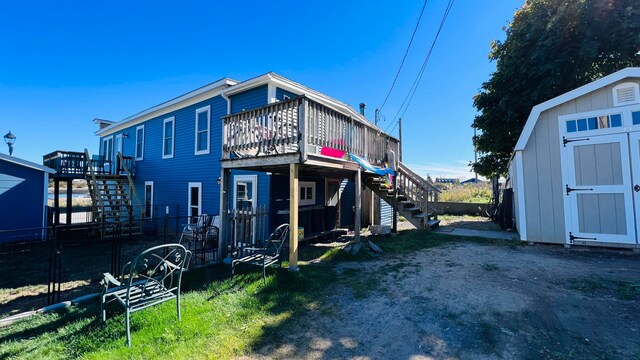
(634, 149)
(107, 153)
(598, 189)
(245, 196)
(117, 148)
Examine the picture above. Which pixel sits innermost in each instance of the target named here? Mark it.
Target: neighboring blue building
(23, 195)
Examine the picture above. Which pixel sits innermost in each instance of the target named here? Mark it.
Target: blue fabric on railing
(370, 168)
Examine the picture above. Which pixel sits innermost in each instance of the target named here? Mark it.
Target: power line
(424, 5)
(407, 100)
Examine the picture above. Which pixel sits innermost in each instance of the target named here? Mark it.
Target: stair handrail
(130, 178)
(402, 168)
(94, 190)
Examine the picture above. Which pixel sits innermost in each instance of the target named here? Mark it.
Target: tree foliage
(552, 46)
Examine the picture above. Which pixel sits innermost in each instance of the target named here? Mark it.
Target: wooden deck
(301, 131)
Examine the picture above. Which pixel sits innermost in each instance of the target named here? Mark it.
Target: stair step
(412, 208)
(432, 224)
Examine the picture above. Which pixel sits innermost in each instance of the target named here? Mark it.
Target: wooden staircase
(415, 198)
(112, 198)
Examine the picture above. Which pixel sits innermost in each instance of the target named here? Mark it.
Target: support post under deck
(69, 200)
(358, 225)
(56, 201)
(293, 217)
(224, 236)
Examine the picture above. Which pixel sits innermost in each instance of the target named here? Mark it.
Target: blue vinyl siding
(281, 92)
(23, 187)
(250, 99)
(172, 176)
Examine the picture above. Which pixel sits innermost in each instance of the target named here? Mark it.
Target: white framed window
(203, 122)
(148, 199)
(307, 191)
(140, 142)
(168, 137)
(245, 189)
(195, 201)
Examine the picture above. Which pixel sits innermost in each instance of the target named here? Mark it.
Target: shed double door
(600, 175)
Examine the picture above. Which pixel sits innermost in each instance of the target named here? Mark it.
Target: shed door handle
(636, 188)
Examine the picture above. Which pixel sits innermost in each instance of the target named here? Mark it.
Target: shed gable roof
(25, 163)
(568, 96)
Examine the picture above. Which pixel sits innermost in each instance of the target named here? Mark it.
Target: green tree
(552, 46)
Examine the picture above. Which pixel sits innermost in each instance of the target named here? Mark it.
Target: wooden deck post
(56, 201)
(357, 225)
(223, 236)
(293, 217)
(69, 200)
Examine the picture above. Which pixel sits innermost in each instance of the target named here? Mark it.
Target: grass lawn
(222, 317)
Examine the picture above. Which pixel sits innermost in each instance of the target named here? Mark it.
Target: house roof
(592, 86)
(227, 87)
(290, 85)
(165, 106)
(25, 163)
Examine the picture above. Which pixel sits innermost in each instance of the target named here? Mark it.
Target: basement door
(598, 188)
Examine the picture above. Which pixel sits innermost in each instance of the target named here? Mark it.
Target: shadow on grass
(222, 316)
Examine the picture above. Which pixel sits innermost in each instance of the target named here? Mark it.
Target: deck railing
(66, 163)
(73, 164)
(301, 125)
(420, 191)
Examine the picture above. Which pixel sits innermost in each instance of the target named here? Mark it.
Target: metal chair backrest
(277, 239)
(157, 269)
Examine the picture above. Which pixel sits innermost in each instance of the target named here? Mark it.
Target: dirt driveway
(473, 301)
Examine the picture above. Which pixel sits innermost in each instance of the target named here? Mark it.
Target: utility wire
(424, 5)
(407, 100)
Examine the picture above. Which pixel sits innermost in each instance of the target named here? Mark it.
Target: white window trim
(246, 178)
(107, 155)
(306, 184)
(206, 109)
(627, 121)
(636, 91)
(141, 155)
(173, 137)
(199, 186)
(147, 183)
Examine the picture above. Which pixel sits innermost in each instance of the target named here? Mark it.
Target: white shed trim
(522, 209)
(592, 86)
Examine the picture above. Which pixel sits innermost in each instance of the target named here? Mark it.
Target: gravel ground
(472, 301)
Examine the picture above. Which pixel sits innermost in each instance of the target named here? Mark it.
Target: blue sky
(64, 63)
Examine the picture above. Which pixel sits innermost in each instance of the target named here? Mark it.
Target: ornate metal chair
(264, 253)
(153, 277)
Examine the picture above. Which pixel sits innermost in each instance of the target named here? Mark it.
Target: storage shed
(23, 199)
(575, 171)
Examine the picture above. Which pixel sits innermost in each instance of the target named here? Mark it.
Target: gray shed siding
(541, 161)
(513, 184)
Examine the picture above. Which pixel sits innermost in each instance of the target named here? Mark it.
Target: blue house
(23, 195)
(260, 143)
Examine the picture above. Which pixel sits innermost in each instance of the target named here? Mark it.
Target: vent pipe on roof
(362, 107)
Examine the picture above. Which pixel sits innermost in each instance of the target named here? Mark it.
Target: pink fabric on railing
(333, 152)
